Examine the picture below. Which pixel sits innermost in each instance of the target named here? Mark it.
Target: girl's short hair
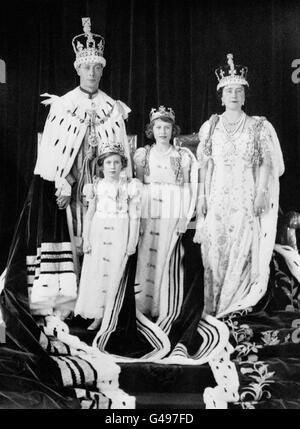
(101, 159)
(149, 127)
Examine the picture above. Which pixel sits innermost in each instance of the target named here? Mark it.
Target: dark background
(158, 52)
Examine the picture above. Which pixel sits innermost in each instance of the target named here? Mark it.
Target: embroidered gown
(103, 267)
(237, 245)
(165, 201)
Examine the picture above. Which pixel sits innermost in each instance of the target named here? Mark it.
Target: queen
(240, 163)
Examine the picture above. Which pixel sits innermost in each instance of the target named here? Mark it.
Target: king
(78, 125)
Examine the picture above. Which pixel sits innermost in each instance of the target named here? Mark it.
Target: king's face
(90, 75)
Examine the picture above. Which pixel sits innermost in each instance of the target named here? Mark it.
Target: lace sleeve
(88, 191)
(139, 157)
(135, 189)
(265, 146)
(203, 152)
(185, 160)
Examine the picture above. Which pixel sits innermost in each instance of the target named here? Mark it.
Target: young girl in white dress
(167, 173)
(110, 234)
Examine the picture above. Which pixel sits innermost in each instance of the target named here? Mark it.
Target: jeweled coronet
(111, 147)
(162, 112)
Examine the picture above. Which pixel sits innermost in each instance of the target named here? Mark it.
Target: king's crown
(88, 47)
(231, 73)
(162, 112)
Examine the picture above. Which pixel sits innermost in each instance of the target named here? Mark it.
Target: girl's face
(162, 131)
(112, 166)
(233, 96)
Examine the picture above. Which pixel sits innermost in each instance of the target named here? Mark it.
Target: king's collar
(88, 93)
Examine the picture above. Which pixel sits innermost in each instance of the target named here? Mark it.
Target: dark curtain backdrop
(158, 52)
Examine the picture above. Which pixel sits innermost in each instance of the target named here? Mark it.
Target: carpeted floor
(266, 342)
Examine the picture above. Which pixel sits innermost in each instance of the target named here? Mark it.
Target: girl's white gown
(103, 267)
(166, 200)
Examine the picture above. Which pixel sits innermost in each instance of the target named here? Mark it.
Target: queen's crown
(231, 73)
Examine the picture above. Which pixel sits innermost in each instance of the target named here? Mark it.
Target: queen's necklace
(239, 125)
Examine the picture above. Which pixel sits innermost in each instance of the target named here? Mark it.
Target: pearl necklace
(239, 124)
(233, 123)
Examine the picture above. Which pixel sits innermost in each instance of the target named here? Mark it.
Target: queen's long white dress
(237, 245)
(103, 267)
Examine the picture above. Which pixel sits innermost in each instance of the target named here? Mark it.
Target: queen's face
(233, 96)
(112, 166)
(90, 75)
(162, 131)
